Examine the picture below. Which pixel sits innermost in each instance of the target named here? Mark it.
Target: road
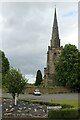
(46, 97)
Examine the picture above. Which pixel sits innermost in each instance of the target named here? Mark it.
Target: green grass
(47, 103)
(73, 103)
(72, 112)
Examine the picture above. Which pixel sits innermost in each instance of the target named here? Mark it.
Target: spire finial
(55, 5)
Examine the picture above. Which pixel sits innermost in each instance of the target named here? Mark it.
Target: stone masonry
(53, 53)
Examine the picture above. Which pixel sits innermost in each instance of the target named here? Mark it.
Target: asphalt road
(46, 97)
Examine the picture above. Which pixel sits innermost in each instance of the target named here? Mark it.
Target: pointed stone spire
(55, 41)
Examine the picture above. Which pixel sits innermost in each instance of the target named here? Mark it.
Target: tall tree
(5, 62)
(38, 78)
(68, 67)
(15, 82)
(4, 65)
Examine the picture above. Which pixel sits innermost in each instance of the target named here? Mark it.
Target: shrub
(63, 113)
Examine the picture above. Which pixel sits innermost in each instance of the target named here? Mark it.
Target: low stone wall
(52, 90)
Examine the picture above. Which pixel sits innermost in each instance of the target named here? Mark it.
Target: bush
(64, 113)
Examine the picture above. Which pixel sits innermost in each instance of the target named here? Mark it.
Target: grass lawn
(73, 103)
(69, 113)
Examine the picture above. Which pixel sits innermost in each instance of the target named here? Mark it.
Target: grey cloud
(29, 63)
(27, 31)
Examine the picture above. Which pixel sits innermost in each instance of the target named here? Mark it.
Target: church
(53, 53)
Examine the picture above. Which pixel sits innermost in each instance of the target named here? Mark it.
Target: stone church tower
(52, 55)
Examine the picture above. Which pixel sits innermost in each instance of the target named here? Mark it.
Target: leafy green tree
(15, 82)
(0, 61)
(4, 65)
(68, 67)
(38, 78)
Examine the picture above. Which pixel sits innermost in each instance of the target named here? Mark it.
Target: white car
(37, 92)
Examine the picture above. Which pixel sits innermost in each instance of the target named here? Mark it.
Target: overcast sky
(25, 30)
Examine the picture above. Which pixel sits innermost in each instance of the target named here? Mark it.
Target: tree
(15, 82)
(68, 67)
(4, 65)
(38, 78)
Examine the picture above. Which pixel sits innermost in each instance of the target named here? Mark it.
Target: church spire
(55, 20)
(55, 41)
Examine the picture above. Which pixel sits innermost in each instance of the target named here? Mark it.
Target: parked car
(37, 92)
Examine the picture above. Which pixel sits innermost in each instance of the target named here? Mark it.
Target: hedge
(70, 113)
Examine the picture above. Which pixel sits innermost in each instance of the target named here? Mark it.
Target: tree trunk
(15, 98)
